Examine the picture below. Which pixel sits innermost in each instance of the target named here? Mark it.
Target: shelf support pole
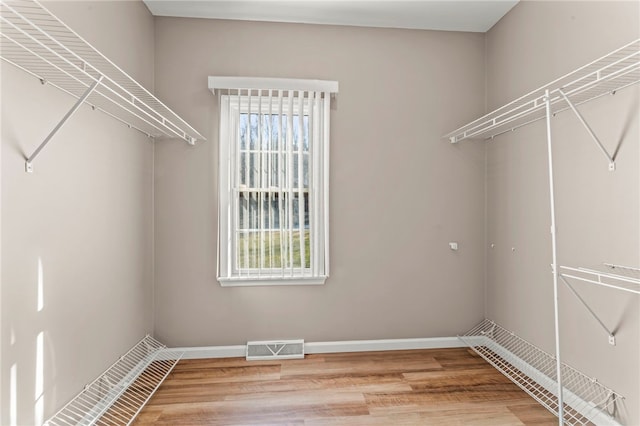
(80, 101)
(612, 164)
(612, 338)
(554, 264)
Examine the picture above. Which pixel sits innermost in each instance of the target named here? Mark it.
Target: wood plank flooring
(418, 387)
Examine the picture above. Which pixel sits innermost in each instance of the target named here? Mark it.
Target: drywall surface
(76, 234)
(399, 193)
(598, 212)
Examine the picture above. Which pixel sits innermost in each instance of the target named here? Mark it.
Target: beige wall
(399, 193)
(84, 215)
(598, 212)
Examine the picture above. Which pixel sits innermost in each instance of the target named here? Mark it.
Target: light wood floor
(420, 387)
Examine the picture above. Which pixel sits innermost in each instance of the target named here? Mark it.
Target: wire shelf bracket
(119, 394)
(37, 42)
(606, 75)
(74, 108)
(623, 278)
(609, 157)
(586, 401)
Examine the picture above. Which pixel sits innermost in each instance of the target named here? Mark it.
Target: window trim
(230, 110)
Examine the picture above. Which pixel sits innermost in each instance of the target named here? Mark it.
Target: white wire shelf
(586, 401)
(118, 395)
(34, 40)
(607, 75)
(619, 277)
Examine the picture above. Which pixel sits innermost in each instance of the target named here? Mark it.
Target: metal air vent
(275, 349)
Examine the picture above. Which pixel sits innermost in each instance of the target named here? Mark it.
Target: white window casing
(273, 194)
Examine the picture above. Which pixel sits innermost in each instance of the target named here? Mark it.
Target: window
(273, 183)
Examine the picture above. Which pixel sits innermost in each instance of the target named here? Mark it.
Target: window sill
(269, 281)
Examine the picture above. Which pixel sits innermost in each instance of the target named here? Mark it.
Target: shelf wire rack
(585, 402)
(619, 277)
(118, 395)
(606, 75)
(34, 40)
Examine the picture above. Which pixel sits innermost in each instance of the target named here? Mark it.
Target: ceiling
(446, 15)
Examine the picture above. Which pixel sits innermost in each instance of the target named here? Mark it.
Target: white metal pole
(554, 264)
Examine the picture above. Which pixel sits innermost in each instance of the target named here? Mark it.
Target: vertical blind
(273, 187)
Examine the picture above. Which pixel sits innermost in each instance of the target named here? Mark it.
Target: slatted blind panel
(273, 194)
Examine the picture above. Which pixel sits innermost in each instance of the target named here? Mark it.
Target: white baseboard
(382, 345)
(331, 347)
(213, 352)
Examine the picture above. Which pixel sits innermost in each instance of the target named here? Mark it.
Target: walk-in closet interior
(184, 180)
